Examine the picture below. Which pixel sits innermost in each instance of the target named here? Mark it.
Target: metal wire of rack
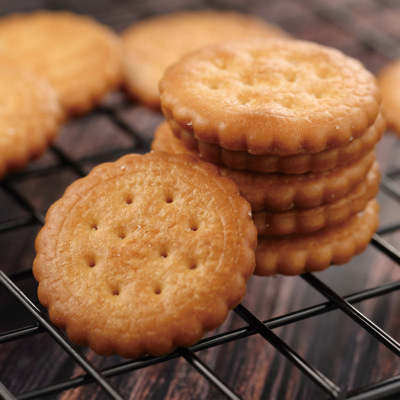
(27, 213)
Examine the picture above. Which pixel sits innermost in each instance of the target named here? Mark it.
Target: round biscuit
(30, 117)
(270, 96)
(151, 45)
(79, 56)
(316, 251)
(145, 254)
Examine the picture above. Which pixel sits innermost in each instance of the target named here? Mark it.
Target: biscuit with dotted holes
(303, 220)
(275, 191)
(30, 117)
(315, 251)
(145, 254)
(151, 45)
(297, 164)
(270, 96)
(389, 83)
(79, 56)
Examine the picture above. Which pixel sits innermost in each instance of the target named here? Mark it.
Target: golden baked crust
(297, 164)
(275, 191)
(270, 96)
(30, 117)
(145, 254)
(389, 83)
(315, 251)
(151, 45)
(304, 220)
(80, 57)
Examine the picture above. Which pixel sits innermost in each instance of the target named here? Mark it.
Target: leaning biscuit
(80, 57)
(304, 220)
(270, 96)
(299, 253)
(30, 117)
(145, 254)
(275, 191)
(389, 83)
(296, 164)
(151, 45)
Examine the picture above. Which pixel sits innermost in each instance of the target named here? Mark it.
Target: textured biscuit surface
(30, 117)
(145, 254)
(275, 191)
(315, 251)
(389, 83)
(80, 57)
(303, 220)
(270, 96)
(150, 46)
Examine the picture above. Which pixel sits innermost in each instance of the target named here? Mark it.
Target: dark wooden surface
(365, 29)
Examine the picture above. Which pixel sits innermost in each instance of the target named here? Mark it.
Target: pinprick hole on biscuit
(194, 227)
(318, 93)
(193, 265)
(213, 86)
(115, 292)
(157, 289)
(128, 200)
(91, 262)
(323, 73)
(220, 63)
(94, 226)
(242, 100)
(122, 235)
(288, 103)
(248, 80)
(290, 76)
(164, 253)
(169, 198)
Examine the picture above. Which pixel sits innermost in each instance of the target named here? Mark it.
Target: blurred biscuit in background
(151, 45)
(389, 83)
(79, 56)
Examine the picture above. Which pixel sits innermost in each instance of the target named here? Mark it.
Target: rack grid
(25, 196)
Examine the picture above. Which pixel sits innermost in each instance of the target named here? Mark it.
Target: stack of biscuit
(295, 124)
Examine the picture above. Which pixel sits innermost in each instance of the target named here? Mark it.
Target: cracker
(389, 83)
(275, 191)
(304, 220)
(270, 96)
(297, 164)
(153, 44)
(145, 254)
(80, 57)
(299, 253)
(30, 117)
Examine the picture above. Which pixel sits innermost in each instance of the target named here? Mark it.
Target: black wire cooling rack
(26, 196)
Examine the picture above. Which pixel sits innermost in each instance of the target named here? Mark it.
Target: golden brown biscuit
(304, 220)
(389, 83)
(80, 57)
(153, 44)
(275, 191)
(30, 117)
(270, 96)
(297, 164)
(145, 254)
(299, 253)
